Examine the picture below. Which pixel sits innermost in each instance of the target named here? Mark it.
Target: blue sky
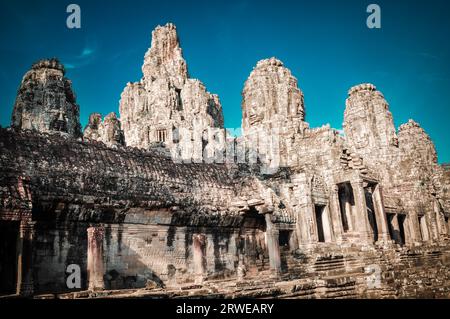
(326, 45)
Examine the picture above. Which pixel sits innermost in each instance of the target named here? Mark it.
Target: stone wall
(149, 206)
(102, 178)
(138, 254)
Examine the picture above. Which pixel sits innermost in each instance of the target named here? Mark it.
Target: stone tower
(107, 131)
(368, 123)
(271, 97)
(416, 143)
(273, 111)
(164, 59)
(46, 102)
(166, 106)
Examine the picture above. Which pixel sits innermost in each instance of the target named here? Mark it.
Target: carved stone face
(360, 134)
(254, 115)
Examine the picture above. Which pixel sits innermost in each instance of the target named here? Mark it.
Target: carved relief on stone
(272, 113)
(271, 94)
(368, 123)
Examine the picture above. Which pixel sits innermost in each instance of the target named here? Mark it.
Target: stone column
(198, 249)
(25, 284)
(95, 265)
(440, 220)
(396, 227)
(300, 227)
(425, 228)
(350, 214)
(305, 225)
(414, 226)
(335, 213)
(310, 222)
(383, 230)
(327, 224)
(434, 222)
(273, 245)
(409, 235)
(362, 221)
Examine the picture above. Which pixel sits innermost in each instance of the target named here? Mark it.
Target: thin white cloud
(69, 66)
(85, 57)
(86, 52)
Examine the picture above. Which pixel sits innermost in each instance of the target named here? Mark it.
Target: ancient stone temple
(294, 211)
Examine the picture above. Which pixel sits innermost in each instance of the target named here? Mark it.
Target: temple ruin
(152, 201)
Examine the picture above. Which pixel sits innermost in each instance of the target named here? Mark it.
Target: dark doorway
(346, 202)
(397, 232)
(390, 221)
(252, 241)
(254, 220)
(9, 232)
(320, 232)
(284, 238)
(401, 226)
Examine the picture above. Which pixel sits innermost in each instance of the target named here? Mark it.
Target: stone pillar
(362, 221)
(433, 226)
(300, 227)
(335, 213)
(95, 266)
(396, 227)
(425, 228)
(414, 226)
(383, 230)
(198, 250)
(409, 235)
(305, 225)
(25, 284)
(327, 225)
(273, 245)
(440, 220)
(350, 214)
(311, 224)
